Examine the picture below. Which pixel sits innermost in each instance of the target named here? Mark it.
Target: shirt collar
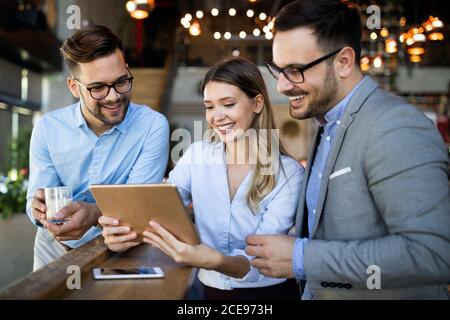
(122, 127)
(335, 113)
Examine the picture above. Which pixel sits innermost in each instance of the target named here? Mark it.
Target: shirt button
(328, 138)
(338, 122)
(314, 211)
(320, 175)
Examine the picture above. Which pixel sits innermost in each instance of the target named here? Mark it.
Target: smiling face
(229, 111)
(318, 93)
(105, 70)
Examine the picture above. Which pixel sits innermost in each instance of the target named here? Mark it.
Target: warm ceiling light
(402, 21)
(365, 60)
(131, 6)
(377, 62)
(373, 36)
(419, 37)
(428, 26)
(436, 36)
(217, 35)
(250, 13)
(415, 59)
(185, 23)
(384, 32)
(242, 34)
(434, 26)
(140, 9)
(256, 32)
(436, 22)
(365, 63)
(391, 46)
(215, 12)
(199, 14)
(416, 51)
(194, 29)
(410, 41)
(188, 17)
(139, 14)
(262, 16)
(269, 35)
(232, 12)
(227, 35)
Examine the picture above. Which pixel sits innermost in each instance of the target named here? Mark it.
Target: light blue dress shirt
(64, 151)
(201, 178)
(332, 118)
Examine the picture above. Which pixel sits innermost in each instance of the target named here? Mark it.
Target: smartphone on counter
(128, 273)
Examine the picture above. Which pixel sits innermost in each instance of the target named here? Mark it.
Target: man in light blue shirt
(103, 139)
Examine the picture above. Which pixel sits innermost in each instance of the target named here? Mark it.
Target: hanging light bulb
(194, 29)
(140, 9)
(434, 27)
(415, 59)
(365, 63)
(391, 45)
(415, 41)
(378, 62)
(199, 14)
(215, 12)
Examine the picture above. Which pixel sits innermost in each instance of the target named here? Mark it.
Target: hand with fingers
(273, 254)
(38, 207)
(117, 237)
(81, 215)
(200, 256)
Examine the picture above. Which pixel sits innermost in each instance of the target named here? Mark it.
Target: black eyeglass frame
(130, 79)
(300, 68)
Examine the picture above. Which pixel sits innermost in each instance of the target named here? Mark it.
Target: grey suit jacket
(384, 202)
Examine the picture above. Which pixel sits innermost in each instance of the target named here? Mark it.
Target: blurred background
(169, 45)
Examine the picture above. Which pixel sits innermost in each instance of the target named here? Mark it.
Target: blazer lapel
(362, 93)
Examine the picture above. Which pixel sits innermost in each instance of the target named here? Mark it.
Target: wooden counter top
(50, 282)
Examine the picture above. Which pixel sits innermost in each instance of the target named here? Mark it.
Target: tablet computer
(136, 205)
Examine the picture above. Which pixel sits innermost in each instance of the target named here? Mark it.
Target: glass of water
(57, 198)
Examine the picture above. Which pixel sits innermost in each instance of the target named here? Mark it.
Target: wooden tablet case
(136, 205)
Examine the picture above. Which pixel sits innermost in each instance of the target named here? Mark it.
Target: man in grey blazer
(373, 220)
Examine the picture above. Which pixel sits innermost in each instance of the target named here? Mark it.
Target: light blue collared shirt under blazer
(201, 178)
(332, 118)
(64, 151)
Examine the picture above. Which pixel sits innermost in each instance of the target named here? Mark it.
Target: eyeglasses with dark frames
(295, 73)
(101, 91)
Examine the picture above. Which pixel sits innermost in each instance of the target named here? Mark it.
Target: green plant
(13, 186)
(13, 192)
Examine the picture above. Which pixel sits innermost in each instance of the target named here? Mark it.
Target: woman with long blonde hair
(240, 182)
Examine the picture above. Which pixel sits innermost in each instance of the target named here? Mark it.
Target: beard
(97, 110)
(325, 100)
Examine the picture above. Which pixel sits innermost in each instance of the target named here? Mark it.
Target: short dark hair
(88, 44)
(336, 23)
